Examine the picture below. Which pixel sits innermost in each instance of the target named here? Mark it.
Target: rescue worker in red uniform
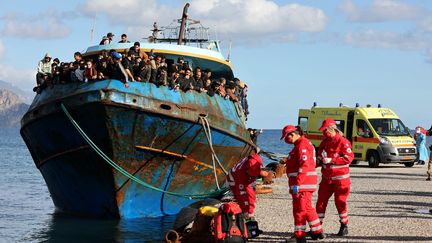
(240, 179)
(302, 180)
(334, 156)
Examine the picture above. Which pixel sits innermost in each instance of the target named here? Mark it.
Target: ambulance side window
(363, 129)
(303, 121)
(340, 124)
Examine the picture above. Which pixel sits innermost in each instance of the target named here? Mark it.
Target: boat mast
(183, 24)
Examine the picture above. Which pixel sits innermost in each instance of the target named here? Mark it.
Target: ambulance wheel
(373, 159)
(409, 164)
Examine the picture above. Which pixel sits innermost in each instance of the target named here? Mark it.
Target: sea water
(27, 212)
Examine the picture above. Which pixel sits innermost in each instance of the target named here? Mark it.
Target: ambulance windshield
(389, 127)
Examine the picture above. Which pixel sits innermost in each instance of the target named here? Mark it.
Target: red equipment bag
(229, 224)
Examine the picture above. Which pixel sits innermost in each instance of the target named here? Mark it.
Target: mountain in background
(12, 108)
(25, 96)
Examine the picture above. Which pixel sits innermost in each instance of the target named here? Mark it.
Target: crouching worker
(240, 179)
(302, 180)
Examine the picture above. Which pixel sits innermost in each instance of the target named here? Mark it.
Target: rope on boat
(207, 132)
(129, 175)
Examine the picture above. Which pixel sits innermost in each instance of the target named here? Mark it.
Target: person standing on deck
(334, 155)
(303, 180)
(240, 179)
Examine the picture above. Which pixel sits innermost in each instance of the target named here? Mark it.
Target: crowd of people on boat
(134, 65)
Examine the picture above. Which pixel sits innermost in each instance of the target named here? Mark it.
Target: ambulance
(377, 134)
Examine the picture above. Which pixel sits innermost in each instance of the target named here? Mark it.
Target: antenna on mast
(92, 30)
(229, 51)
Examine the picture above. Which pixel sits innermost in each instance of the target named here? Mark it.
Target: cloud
(231, 19)
(46, 25)
(381, 11)
(24, 79)
(394, 40)
(2, 49)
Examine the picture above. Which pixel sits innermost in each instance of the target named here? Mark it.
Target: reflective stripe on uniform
(299, 227)
(242, 192)
(316, 221)
(306, 186)
(340, 177)
(296, 174)
(316, 228)
(343, 214)
(334, 166)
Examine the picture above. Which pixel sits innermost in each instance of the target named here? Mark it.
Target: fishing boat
(106, 150)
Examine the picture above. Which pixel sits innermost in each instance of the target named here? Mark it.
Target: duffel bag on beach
(229, 224)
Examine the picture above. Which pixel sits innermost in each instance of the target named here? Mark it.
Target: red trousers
(341, 192)
(245, 196)
(304, 212)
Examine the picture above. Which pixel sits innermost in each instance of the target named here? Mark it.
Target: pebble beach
(382, 206)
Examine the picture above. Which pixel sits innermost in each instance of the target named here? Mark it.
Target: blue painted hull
(131, 126)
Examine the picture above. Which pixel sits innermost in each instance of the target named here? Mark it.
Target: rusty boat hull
(153, 133)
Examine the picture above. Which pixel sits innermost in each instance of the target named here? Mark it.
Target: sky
(290, 53)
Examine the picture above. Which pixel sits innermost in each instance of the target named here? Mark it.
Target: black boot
(318, 236)
(297, 240)
(343, 230)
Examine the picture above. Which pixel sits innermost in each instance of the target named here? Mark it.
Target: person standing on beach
(302, 180)
(429, 171)
(240, 179)
(334, 155)
(420, 137)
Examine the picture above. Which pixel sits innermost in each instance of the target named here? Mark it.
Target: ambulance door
(350, 125)
(362, 139)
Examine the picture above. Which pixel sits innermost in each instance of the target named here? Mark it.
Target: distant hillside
(12, 108)
(25, 96)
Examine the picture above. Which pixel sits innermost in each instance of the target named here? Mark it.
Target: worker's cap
(287, 130)
(326, 123)
(116, 55)
(110, 34)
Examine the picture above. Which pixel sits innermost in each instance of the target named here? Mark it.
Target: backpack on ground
(229, 224)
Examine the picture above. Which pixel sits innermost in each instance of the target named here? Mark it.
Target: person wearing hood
(334, 155)
(420, 137)
(44, 72)
(302, 180)
(240, 179)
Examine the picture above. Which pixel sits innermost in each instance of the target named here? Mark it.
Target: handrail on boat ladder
(132, 177)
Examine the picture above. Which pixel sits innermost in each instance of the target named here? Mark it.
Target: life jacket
(229, 224)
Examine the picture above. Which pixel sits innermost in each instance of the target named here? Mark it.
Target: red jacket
(300, 166)
(339, 149)
(246, 171)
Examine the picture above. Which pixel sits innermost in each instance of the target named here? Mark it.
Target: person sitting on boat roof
(108, 40)
(104, 40)
(116, 70)
(44, 72)
(78, 57)
(124, 39)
